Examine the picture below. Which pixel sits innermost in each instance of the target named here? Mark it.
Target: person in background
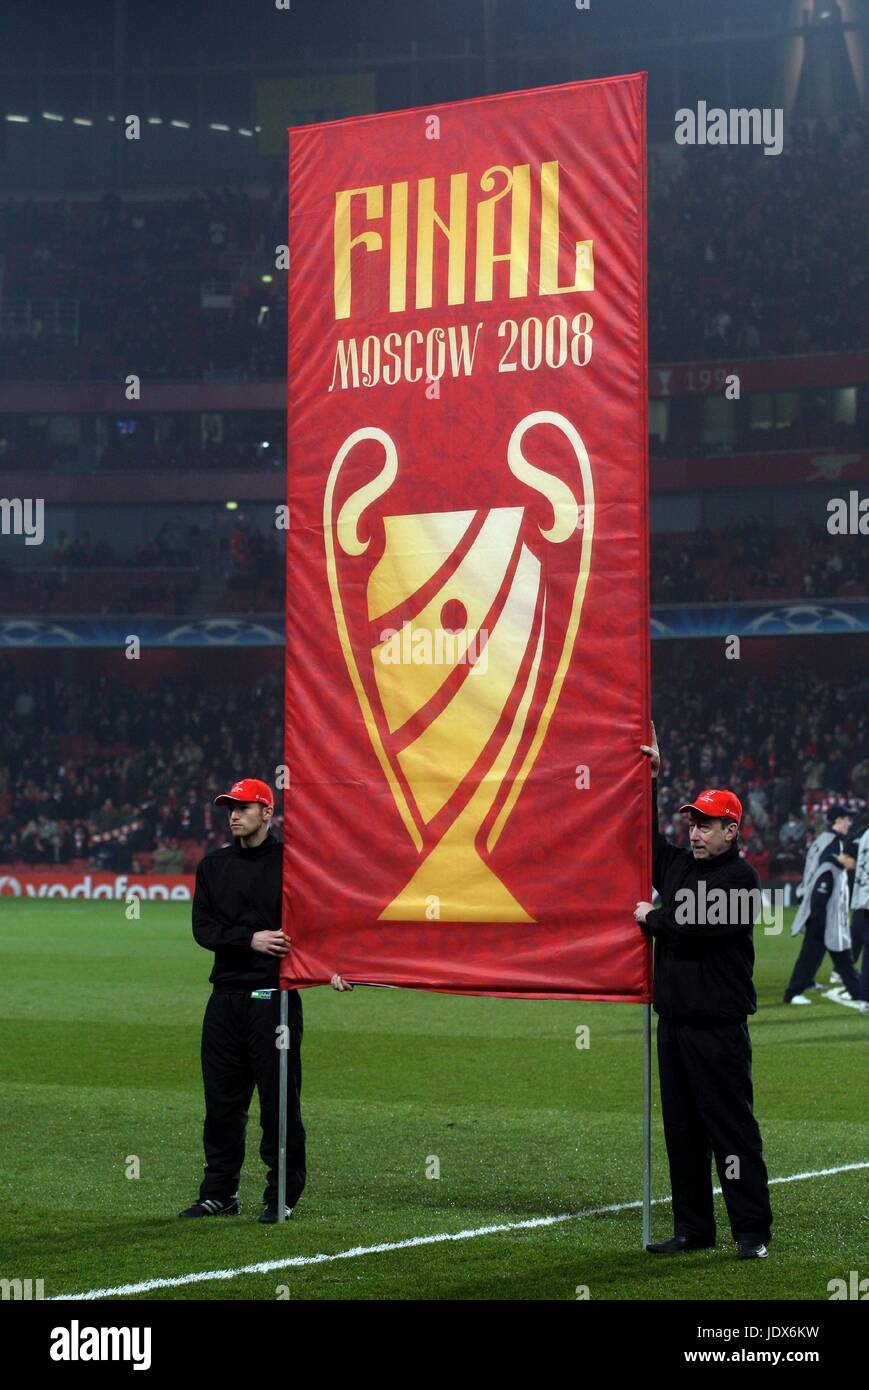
(823, 911)
(860, 918)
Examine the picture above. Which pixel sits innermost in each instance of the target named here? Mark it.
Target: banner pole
(282, 1107)
(647, 1124)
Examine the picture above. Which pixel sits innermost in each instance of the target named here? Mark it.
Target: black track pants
(860, 938)
(706, 1099)
(811, 957)
(239, 1052)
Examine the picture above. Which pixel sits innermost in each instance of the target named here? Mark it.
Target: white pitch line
(297, 1261)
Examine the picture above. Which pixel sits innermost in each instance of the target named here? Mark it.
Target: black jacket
(238, 892)
(702, 971)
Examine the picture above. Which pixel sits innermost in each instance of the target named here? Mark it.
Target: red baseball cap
(725, 804)
(248, 789)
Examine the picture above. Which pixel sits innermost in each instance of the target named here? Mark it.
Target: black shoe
(677, 1244)
(752, 1250)
(211, 1207)
(270, 1213)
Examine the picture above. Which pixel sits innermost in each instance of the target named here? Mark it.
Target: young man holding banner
(703, 992)
(237, 915)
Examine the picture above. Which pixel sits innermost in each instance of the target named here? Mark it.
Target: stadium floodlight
(52, 116)
(243, 130)
(232, 506)
(180, 125)
(155, 120)
(19, 120)
(82, 120)
(217, 125)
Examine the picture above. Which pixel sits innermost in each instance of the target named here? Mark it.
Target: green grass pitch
(100, 1027)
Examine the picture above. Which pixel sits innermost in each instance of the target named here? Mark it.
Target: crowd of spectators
(89, 774)
(749, 255)
(139, 775)
(842, 573)
(752, 255)
(753, 560)
(137, 272)
(790, 744)
(164, 574)
(254, 561)
(750, 561)
(172, 544)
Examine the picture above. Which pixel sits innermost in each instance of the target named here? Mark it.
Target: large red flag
(467, 661)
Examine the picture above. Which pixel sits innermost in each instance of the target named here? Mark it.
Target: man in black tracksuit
(237, 915)
(703, 992)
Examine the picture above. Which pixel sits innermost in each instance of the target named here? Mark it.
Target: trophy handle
(567, 516)
(347, 529)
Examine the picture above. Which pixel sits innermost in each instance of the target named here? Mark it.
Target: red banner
(467, 560)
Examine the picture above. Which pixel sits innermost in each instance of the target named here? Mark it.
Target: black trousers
(860, 938)
(707, 1099)
(808, 963)
(239, 1052)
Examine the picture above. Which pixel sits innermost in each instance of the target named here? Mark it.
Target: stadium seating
(724, 278)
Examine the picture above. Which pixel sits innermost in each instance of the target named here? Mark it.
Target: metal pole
(282, 1107)
(647, 1124)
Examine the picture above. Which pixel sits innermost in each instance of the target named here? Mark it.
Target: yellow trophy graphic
(454, 690)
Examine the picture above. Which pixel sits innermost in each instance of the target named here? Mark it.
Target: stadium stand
(80, 760)
(728, 275)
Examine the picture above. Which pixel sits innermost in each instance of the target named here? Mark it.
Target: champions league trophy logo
(488, 593)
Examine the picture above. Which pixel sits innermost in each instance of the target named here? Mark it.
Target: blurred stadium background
(157, 257)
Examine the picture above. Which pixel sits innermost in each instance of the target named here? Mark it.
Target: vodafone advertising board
(60, 883)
